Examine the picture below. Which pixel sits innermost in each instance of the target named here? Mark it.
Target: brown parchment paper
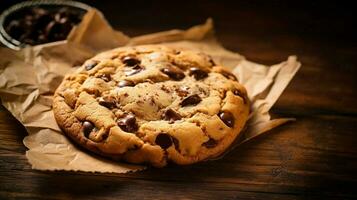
(29, 77)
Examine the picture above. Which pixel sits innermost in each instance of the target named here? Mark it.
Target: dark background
(312, 158)
(327, 21)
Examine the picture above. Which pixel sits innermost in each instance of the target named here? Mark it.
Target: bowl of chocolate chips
(37, 22)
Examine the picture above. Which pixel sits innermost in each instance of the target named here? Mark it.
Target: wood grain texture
(302, 159)
(312, 158)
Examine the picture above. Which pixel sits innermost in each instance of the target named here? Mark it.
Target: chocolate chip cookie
(152, 104)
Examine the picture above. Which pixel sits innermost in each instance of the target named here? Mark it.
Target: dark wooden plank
(312, 157)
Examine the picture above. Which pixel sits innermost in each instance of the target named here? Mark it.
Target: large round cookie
(152, 104)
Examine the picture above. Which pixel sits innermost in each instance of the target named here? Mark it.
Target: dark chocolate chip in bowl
(89, 65)
(105, 77)
(41, 18)
(128, 123)
(229, 75)
(164, 140)
(191, 100)
(198, 73)
(126, 83)
(14, 28)
(53, 30)
(133, 70)
(174, 73)
(130, 61)
(107, 102)
(87, 128)
(35, 21)
(210, 143)
(227, 118)
(238, 93)
(171, 115)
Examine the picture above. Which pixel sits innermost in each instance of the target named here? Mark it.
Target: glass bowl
(5, 17)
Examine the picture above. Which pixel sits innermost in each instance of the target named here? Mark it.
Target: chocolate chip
(107, 102)
(105, 136)
(52, 29)
(229, 75)
(87, 128)
(212, 61)
(105, 77)
(89, 65)
(42, 38)
(182, 91)
(176, 52)
(174, 73)
(210, 143)
(171, 115)
(176, 143)
(128, 123)
(227, 118)
(15, 29)
(198, 73)
(130, 61)
(126, 83)
(133, 70)
(191, 100)
(238, 93)
(163, 140)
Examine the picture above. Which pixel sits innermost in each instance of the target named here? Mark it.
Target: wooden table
(312, 158)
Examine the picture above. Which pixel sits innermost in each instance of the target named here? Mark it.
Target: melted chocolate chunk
(229, 75)
(198, 73)
(164, 140)
(210, 143)
(174, 73)
(191, 100)
(227, 118)
(105, 77)
(126, 83)
(171, 115)
(128, 123)
(238, 93)
(87, 128)
(130, 61)
(89, 65)
(182, 91)
(105, 136)
(107, 102)
(134, 70)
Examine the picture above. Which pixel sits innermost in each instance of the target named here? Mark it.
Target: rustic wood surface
(312, 158)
